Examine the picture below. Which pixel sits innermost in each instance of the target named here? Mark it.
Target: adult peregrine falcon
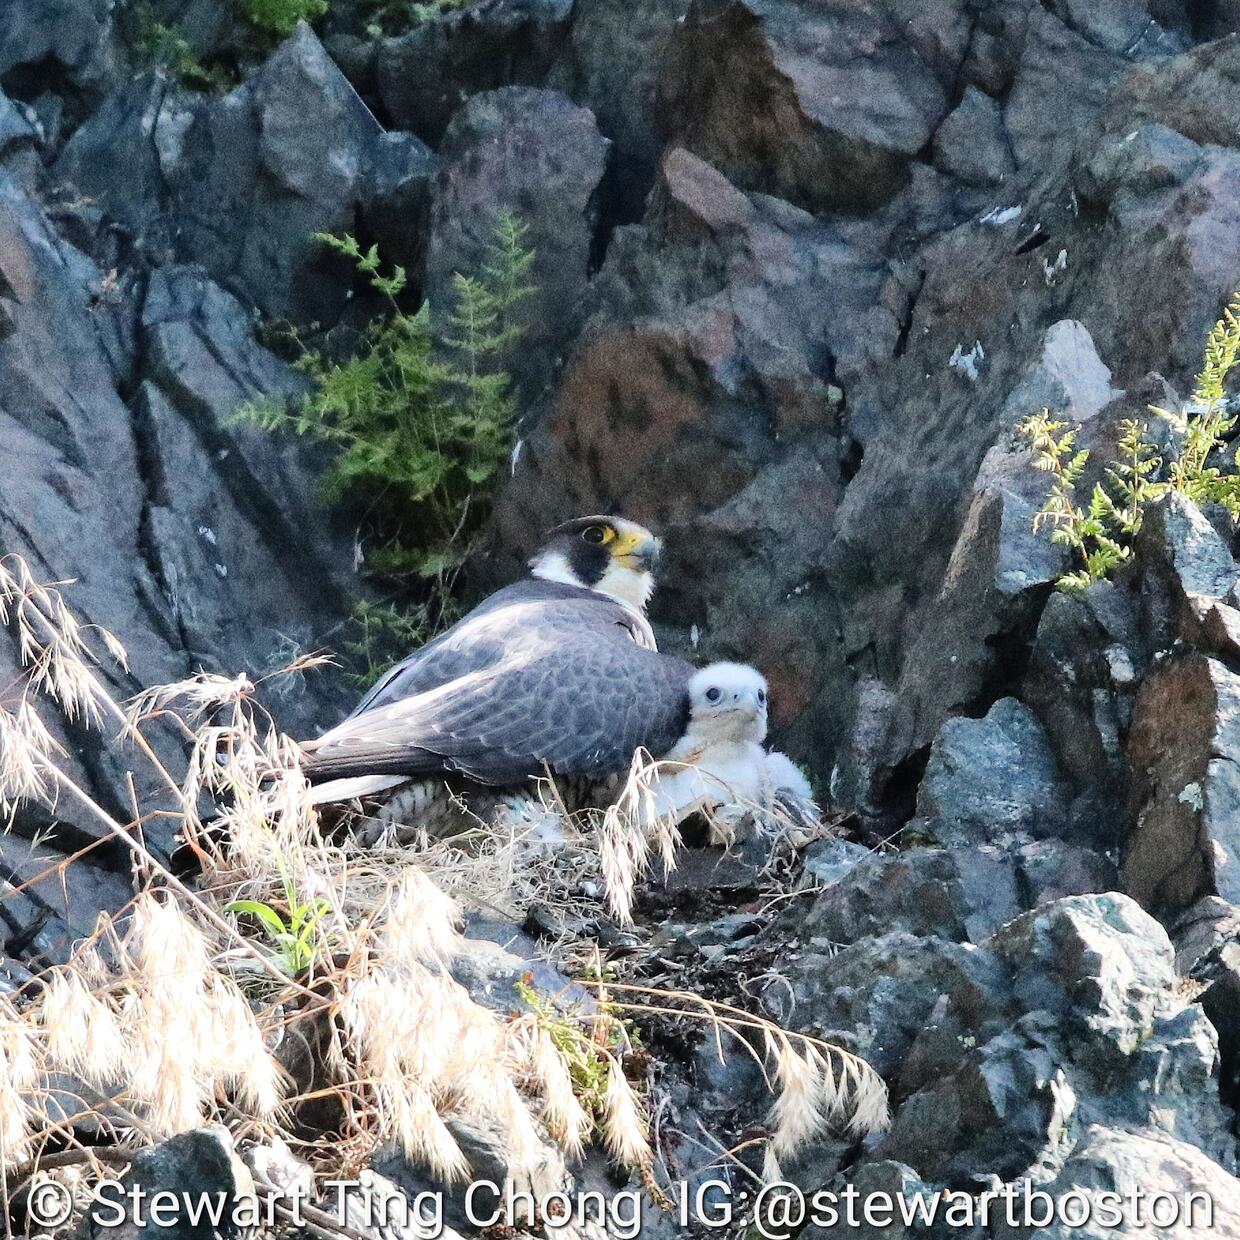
(557, 672)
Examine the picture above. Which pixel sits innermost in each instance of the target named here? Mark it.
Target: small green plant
(1100, 532)
(159, 44)
(393, 16)
(597, 1050)
(385, 633)
(280, 17)
(297, 938)
(422, 416)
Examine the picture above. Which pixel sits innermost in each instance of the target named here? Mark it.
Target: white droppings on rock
(998, 216)
(968, 363)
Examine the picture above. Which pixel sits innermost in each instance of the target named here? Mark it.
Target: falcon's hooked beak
(637, 549)
(610, 555)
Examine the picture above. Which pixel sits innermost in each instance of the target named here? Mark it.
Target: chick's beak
(747, 700)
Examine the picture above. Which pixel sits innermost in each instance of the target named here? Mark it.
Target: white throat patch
(631, 588)
(626, 586)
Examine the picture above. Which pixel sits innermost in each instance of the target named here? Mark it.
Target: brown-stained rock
(824, 105)
(1184, 801)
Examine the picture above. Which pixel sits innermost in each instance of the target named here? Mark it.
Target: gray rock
(1053, 57)
(1052, 869)
(876, 995)
(828, 136)
(397, 197)
(286, 154)
(75, 37)
(1219, 975)
(1190, 94)
(993, 779)
(496, 955)
(311, 141)
(612, 61)
(377, 1208)
(892, 1178)
(1083, 673)
(91, 488)
(962, 895)
(192, 1166)
(540, 156)
(115, 158)
(971, 145)
(1206, 925)
(828, 861)
(1126, 26)
(997, 576)
(1148, 158)
(1185, 791)
(1188, 576)
(424, 75)
(47, 904)
(212, 483)
(16, 128)
(1094, 1029)
(72, 497)
(1171, 1181)
(1099, 960)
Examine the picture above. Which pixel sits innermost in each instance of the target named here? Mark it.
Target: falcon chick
(719, 765)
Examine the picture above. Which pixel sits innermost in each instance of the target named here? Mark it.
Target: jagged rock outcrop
(239, 182)
(424, 75)
(801, 271)
(1020, 1057)
(537, 156)
(198, 543)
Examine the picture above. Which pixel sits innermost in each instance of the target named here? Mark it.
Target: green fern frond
(421, 417)
(1100, 535)
(280, 17)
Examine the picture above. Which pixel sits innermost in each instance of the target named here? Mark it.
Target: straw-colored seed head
(421, 922)
(235, 1052)
(421, 1132)
(167, 948)
(27, 750)
(83, 1035)
(564, 1115)
(624, 1125)
(799, 1113)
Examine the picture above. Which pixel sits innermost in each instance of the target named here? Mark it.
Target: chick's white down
(720, 760)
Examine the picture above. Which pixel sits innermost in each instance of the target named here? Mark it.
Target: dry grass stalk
(159, 997)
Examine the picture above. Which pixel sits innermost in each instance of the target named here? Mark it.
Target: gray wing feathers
(543, 676)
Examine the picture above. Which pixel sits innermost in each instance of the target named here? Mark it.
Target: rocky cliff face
(801, 269)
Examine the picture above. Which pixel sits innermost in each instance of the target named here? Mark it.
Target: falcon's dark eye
(713, 695)
(761, 697)
(594, 534)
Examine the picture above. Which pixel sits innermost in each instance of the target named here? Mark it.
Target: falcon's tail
(357, 786)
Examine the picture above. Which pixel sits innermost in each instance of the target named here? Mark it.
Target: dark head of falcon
(558, 672)
(608, 554)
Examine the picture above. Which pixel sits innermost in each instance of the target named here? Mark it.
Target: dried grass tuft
(179, 1011)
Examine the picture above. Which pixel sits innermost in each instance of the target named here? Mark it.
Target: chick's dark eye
(713, 695)
(594, 534)
(761, 696)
